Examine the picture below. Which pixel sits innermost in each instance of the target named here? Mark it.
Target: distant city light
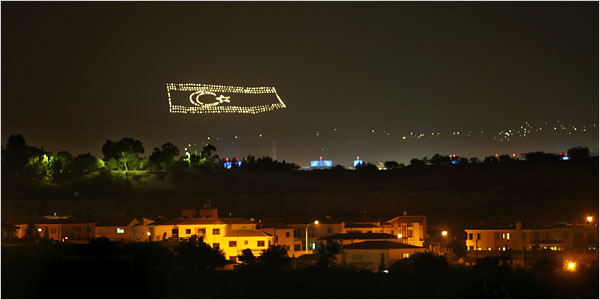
(316, 222)
(589, 219)
(444, 233)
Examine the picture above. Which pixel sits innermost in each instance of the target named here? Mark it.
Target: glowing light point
(444, 233)
(589, 219)
(316, 222)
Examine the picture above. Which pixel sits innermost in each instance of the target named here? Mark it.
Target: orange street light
(399, 235)
(589, 219)
(444, 233)
(571, 266)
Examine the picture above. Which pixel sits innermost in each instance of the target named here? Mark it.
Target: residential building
(358, 237)
(283, 235)
(56, 227)
(528, 237)
(370, 255)
(116, 228)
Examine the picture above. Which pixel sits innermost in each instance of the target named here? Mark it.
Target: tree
(390, 165)
(504, 158)
(327, 253)
(86, 163)
(197, 255)
(124, 151)
(474, 160)
(16, 154)
(416, 162)
(438, 159)
(367, 167)
(247, 257)
(490, 160)
(579, 153)
(540, 156)
(63, 163)
(164, 156)
(275, 257)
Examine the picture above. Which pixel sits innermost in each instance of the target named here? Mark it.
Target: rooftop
(360, 236)
(380, 245)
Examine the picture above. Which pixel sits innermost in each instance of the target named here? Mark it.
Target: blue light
(565, 158)
(357, 163)
(321, 163)
(238, 164)
(227, 165)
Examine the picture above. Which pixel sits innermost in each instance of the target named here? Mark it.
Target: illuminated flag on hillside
(193, 98)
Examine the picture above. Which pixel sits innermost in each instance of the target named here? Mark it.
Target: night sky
(357, 78)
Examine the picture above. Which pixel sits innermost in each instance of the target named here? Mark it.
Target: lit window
(120, 230)
(508, 236)
(489, 248)
(405, 255)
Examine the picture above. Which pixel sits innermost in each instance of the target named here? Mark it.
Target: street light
(316, 222)
(589, 219)
(571, 266)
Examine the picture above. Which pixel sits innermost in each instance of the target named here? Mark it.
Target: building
(116, 228)
(518, 237)
(370, 255)
(230, 235)
(283, 235)
(56, 227)
(350, 238)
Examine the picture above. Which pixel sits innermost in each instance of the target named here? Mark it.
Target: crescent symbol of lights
(199, 107)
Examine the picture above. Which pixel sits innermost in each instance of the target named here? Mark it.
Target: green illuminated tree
(86, 163)
(124, 151)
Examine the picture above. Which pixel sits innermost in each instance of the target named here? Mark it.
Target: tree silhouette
(275, 257)
(390, 165)
(416, 162)
(247, 257)
(164, 156)
(327, 253)
(579, 153)
(197, 255)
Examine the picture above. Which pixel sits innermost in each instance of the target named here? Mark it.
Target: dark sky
(77, 74)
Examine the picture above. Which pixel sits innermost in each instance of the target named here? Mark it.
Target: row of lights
(209, 89)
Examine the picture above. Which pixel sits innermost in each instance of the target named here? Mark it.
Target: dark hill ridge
(445, 194)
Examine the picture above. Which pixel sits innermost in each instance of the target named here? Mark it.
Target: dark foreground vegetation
(190, 269)
(35, 182)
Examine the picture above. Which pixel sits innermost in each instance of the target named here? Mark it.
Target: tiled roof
(200, 221)
(408, 219)
(116, 221)
(274, 225)
(360, 225)
(235, 221)
(380, 245)
(360, 236)
(245, 232)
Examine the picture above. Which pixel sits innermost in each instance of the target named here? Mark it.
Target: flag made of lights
(193, 98)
